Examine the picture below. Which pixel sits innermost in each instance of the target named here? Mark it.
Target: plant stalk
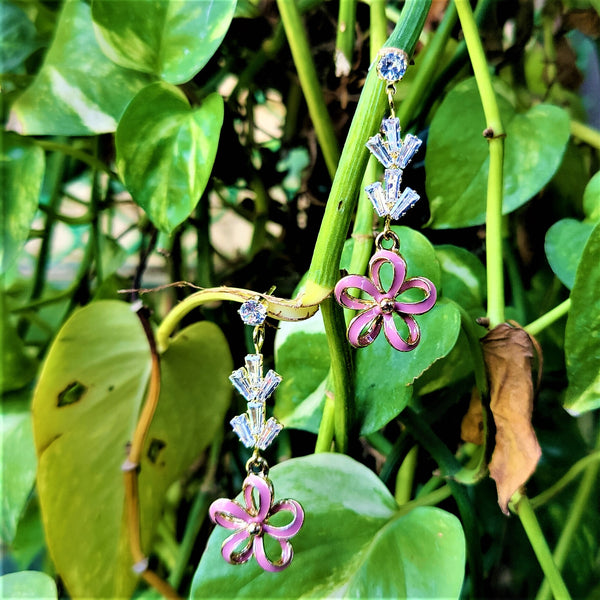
(344, 41)
(548, 318)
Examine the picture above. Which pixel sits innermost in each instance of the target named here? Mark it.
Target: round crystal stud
(253, 312)
(392, 64)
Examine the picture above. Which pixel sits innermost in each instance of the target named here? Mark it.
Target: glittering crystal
(239, 379)
(253, 312)
(254, 364)
(393, 180)
(268, 385)
(242, 428)
(404, 203)
(391, 129)
(377, 197)
(270, 431)
(392, 66)
(379, 151)
(409, 147)
(256, 416)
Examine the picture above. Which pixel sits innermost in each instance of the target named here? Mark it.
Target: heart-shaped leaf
(19, 37)
(457, 159)
(78, 91)
(166, 150)
(85, 409)
(353, 544)
(169, 38)
(582, 335)
(564, 245)
(28, 584)
(591, 199)
(22, 167)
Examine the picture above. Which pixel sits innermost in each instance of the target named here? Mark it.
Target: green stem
(405, 477)
(296, 35)
(427, 68)
(344, 41)
(495, 134)
(96, 230)
(324, 268)
(84, 157)
(470, 330)
(548, 318)
(586, 134)
(431, 499)
(586, 487)
(326, 427)
(522, 507)
(342, 375)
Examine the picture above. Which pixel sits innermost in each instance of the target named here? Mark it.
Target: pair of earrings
(250, 520)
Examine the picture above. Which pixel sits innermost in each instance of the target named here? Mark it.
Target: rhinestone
(268, 385)
(242, 428)
(269, 433)
(240, 382)
(392, 65)
(254, 365)
(377, 197)
(393, 180)
(406, 201)
(379, 151)
(256, 416)
(409, 147)
(391, 129)
(253, 312)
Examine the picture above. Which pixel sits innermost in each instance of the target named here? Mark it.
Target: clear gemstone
(379, 151)
(268, 385)
(393, 180)
(254, 365)
(392, 66)
(376, 195)
(242, 428)
(256, 416)
(253, 312)
(409, 147)
(240, 382)
(406, 201)
(270, 431)
(391, 129)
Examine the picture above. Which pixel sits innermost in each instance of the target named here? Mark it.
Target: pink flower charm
(251, 524)
(366, 325)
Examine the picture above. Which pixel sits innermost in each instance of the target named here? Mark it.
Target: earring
(389, 202)
(250, 520)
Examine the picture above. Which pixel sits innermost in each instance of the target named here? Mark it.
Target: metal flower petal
(379, 312)
(251, 524)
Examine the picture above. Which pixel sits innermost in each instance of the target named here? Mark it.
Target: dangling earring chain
(389, 202)
(250, 521)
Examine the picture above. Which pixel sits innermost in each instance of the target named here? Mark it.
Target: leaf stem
(586, 134)
(494, 132)
(586, 487)
(431, 499)
(299, 46)
(326, 427)
(67, 150)
(344, 41)
(548, 318)
(522, 507)
(324, 268)
(405, 476)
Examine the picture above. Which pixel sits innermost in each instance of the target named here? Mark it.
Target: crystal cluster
(251, 427)
(394, 154)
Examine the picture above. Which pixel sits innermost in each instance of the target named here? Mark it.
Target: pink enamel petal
(394, 338)
(370, 319)
(399, 270)
(422, 306)
(228, 549)
(287, 553)
(355, 282)
(265, 497)
(228, 513)
(286, 531)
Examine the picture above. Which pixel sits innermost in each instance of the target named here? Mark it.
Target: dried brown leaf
(472, 427)
(508, 354)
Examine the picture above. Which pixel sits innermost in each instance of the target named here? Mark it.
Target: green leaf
(564, 245)
(353, 544)
(85, 409)
(19, 37)
(457, 157)
(78, 91)
(582, 335)
(28, 584)
(302, 359)
(169, 38)
(166, 150)
(18, 463)
(591, 199)
(21, 172)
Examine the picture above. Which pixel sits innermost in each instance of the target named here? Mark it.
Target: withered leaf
(508, 354)
(472, 428)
